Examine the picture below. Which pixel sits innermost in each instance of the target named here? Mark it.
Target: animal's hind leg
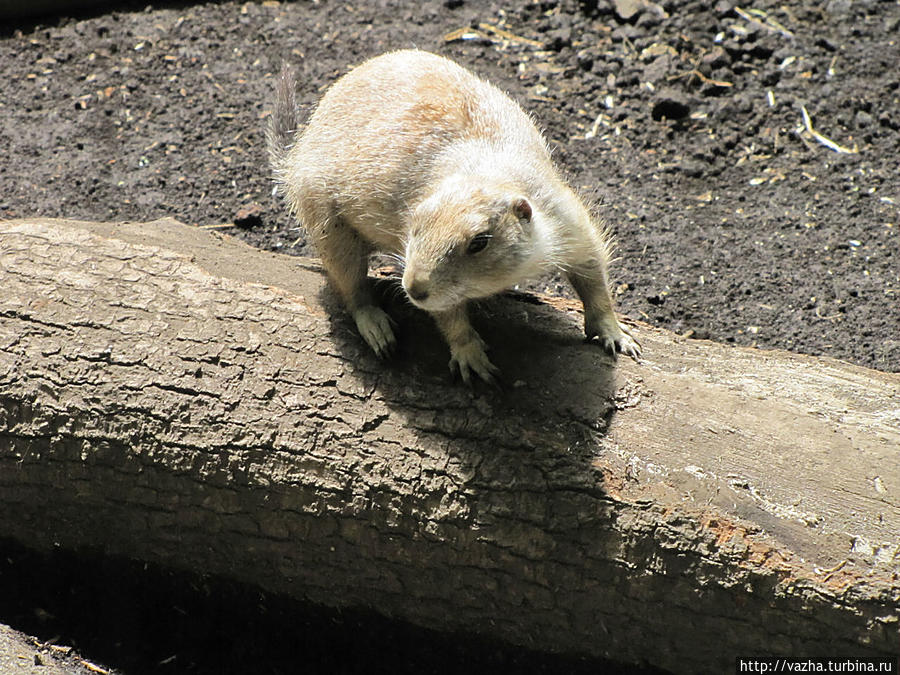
(346, 258)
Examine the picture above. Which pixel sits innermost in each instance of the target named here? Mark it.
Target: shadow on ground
(136, 619)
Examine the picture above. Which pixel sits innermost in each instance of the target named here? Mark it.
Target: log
(172, 395)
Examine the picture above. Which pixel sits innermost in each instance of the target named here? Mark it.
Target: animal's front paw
(614, 337)
(377, 329)
(470, 357)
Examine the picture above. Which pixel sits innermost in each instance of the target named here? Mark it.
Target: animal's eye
(478, 243)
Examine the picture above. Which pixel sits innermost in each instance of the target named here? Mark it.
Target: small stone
(733, 49)
(657, 69)
(761, 51)
(692, 168)
(724, 7)
(837, 7)
(717, 58)
(249, 216)
(585, 58)
(628, 9)
(626, 32)
(559, 38)
(649, 20)
(670, 104)
(863, 119)
(885, 120)
(784, 56)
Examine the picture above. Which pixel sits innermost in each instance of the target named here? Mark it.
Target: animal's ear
(522, 210)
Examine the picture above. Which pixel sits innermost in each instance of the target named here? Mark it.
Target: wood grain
(172, 395)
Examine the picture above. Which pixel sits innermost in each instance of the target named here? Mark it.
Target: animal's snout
(418, 290)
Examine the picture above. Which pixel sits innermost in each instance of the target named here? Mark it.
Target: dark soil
(681, 120)
(731, 224)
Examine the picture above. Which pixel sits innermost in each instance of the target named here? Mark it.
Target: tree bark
(173, 395)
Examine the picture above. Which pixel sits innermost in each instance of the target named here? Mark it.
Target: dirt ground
(746, 155)
(682, 120)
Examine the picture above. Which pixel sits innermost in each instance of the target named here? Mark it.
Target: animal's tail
(283, 124)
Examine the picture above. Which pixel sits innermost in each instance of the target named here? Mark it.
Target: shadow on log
(175, 396)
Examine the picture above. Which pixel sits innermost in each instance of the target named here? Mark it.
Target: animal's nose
(418, 290)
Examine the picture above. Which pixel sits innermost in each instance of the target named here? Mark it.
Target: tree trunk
(172, 395)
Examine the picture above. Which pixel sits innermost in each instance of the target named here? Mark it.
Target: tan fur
(413, 155)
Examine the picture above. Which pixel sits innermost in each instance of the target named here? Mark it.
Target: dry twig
(824, 140)
(761, 18)
(490, 33)
(703, 78)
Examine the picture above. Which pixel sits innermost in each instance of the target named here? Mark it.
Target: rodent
(412, 154)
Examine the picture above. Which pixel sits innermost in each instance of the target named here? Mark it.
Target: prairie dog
(411, 154)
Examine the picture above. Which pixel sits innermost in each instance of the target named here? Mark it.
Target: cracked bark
(175, 396)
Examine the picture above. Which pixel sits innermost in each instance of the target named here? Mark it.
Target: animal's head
(471, 238)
